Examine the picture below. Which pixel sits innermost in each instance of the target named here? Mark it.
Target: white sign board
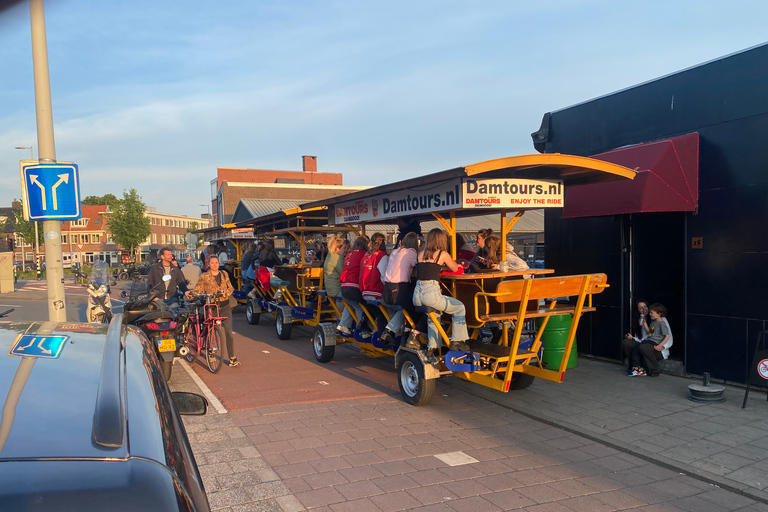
(512, 193)
(401, 203)
(242, 233)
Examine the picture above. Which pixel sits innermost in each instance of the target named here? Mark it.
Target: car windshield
(99, 274)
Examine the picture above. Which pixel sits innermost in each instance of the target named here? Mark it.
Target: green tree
(193, 226)
(108, 199)
(26, 229)
(127, 223)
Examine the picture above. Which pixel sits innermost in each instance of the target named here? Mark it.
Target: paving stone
(361, 505)
(431, 494)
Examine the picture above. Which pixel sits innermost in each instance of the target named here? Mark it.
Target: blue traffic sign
(50, 191)
(40, 345)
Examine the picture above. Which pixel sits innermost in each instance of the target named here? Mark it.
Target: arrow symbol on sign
(33, 179)
(62, 178)
(40, 346)
(27, 346)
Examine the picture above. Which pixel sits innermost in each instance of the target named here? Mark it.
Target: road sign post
(57, 311)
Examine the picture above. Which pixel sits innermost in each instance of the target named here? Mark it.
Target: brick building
(231, 185)
(87, 239)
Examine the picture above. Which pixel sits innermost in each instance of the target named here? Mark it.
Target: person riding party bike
(212, 282)
(427, 292)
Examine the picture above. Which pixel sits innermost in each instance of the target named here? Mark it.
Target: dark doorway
(658, 267)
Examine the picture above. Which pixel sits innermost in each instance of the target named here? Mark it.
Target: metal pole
(37, 252)
(46, 151)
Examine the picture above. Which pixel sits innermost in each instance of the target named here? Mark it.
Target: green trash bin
(554, 339)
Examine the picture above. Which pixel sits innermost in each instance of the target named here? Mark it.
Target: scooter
(99, 308)
(161, 326)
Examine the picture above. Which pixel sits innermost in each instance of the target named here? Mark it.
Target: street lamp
(37, 242)
(208, 206)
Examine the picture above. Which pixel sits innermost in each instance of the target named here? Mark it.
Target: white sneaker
(344, 330)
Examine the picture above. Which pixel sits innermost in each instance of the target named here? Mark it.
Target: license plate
(166, 345)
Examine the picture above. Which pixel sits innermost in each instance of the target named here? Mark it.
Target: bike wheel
(213, 349)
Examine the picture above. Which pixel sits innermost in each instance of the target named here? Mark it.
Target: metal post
(46, 151)
(37, 252)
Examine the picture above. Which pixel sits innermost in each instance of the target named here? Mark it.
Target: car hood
(49, 380)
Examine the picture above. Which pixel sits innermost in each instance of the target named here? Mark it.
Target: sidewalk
(233, 471)
(652, 418)
(596, 450)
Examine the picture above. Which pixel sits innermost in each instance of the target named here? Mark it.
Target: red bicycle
(205, 332)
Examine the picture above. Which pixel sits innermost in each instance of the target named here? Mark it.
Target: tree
(26, 229)
(193, 226)
(128, 224)
(108, 199)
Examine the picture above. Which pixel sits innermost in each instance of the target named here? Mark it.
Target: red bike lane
(276, 372)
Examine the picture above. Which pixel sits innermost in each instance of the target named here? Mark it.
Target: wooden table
(465, 286)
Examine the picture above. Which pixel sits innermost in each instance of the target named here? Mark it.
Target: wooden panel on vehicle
(550, 287)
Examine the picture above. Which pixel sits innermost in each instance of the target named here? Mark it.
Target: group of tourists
(365, 273)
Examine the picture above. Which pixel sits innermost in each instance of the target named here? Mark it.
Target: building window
(63, 239)
(97, 221)
(162, 237)
(95, 239)
(79, 223)
(154, 238)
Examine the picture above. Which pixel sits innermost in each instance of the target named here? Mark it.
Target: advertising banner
(401, 203)
(242, 233)
(512, 193)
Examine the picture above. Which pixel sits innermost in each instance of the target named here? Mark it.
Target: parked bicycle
(204, 330)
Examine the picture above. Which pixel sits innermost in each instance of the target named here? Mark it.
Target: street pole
(37, 252)
(46, 152)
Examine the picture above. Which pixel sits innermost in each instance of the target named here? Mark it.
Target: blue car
(89, 423)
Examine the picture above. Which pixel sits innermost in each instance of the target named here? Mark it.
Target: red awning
(667, 180)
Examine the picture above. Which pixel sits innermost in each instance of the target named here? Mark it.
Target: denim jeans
(427, 293)
(346, 316)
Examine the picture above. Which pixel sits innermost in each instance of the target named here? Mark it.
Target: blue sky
(156, 95)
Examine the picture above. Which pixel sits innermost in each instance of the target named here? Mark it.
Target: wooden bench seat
(559, 309)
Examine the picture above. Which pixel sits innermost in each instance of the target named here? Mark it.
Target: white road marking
(205, 389)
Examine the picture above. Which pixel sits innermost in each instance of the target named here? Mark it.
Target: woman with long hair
(350, 287)
(428, 293)
(397, 285)
(333, 266)
(212, 282)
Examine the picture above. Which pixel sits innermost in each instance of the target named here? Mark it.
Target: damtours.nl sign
(401, 203)
(512, 193)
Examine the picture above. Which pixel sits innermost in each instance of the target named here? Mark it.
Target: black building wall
(717, 295)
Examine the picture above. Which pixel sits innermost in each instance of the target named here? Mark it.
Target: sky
(156, 95)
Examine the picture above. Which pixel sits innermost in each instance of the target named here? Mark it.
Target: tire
(214, 349)
(416, 390)
(323, 352)
(520, 381)
(282, 329)
(192, 354)
(167, 367)
(123, 276)
(250, 315)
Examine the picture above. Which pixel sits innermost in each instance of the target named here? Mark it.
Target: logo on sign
(501, 193)
(30, 345)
